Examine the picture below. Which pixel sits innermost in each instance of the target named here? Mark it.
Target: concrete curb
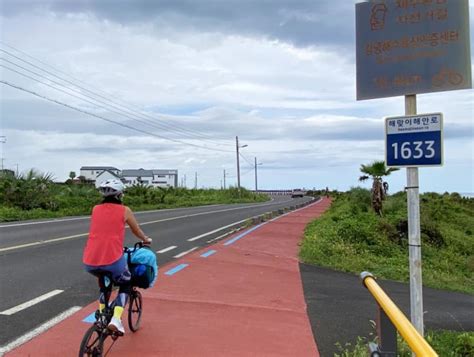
(256, 220)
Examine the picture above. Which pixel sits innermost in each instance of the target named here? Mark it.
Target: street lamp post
(3, 140)
(237, 146)
(256, 185)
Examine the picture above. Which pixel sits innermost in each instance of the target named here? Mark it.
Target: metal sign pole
(414, 237)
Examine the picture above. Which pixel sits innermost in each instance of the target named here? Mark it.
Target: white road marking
(215, 230)
(224, 235)
(184, 253)
(30, 303)
(43, 222)
(43, 242)
(39, 330)
(59, 220)
(141, 224)
(167, 249)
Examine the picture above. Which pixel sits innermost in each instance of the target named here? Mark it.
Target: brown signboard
(412, 46)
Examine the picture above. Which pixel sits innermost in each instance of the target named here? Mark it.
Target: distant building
(106, 175)
(155, 177)
(165, 178)
(90, 173)
(137, 176)
(7, 172)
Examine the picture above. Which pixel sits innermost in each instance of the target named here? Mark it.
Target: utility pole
(414, 237)
(238, 164)
(195, 180)
(237, 146)
(185, 180)
(256, 186)
(3, 140)
(224, 179)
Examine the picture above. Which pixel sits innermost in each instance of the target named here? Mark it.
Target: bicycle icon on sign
(446, 76)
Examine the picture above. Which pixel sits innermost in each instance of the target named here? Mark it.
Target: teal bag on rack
(143, 267)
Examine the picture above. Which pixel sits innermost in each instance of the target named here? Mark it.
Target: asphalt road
(39, 257)
(340, 309)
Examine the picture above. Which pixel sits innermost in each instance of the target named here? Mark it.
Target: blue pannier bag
(143, 267)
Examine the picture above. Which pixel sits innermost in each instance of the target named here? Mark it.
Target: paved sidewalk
(340, 308)
(240, 297)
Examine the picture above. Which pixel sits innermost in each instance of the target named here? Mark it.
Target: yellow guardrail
(409, 333)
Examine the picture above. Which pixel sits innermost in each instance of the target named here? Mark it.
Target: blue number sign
(414, 140)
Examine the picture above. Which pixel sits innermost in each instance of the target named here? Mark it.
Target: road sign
(413, 141)
(406, 47)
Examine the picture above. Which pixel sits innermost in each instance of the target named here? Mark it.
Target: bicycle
(92, 343)
(446, 76)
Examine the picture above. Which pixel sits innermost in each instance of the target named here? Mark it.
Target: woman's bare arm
(133, 224)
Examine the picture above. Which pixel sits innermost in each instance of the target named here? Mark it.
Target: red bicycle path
(242, 296)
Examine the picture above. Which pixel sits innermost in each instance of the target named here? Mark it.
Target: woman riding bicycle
(103, 252)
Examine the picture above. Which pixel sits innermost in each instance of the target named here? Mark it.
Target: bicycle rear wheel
(92, 344)
(135, 310)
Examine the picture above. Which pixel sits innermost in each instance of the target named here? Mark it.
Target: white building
(155, 177)
(165, 178)
(91, 173)
(106, 175)
(137, 176)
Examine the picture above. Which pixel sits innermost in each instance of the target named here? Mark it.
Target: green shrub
(350, 239)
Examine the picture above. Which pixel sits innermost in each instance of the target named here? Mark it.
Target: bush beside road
(350, 237)
(35, 196)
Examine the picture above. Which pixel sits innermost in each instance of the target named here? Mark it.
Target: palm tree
(377, 170)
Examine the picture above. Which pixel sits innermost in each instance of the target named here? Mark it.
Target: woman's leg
(104, 289)
(121, 276)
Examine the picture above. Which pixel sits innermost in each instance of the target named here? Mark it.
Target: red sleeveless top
(106, 235)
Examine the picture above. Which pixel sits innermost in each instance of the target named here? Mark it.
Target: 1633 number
(414, 150)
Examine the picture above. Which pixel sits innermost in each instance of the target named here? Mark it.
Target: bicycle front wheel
(135, 310)
(92, 344)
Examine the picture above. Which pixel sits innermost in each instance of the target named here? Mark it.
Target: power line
(170, 126)
(249, 162)
(120, 112)
(103, 118)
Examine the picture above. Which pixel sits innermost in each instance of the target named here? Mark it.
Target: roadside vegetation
(34, 195)
(367, 230)
(351, 237)
(445, 343)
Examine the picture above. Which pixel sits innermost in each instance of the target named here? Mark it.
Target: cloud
(278, 74)
(302, 23)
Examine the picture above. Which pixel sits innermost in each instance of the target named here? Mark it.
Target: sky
(170, 84)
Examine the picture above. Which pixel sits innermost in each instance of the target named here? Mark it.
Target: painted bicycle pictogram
(446, 76)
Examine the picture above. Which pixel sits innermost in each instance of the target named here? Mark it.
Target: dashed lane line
(167, 249)
(216, 230)
(141, 224)
(176, 269)
(30, 303)
(184, 253)
(59, 220)
(40, 242)
(208, 253)
(39, 330)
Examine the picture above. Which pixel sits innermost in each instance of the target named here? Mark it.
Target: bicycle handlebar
(136, 246)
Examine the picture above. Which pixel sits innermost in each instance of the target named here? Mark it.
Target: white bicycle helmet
(110, 188)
